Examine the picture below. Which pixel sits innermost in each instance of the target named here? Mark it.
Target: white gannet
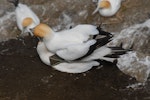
(108, 8)
(44, 54)
(74, 67)
(100, 55)
(26, 18)
(69, 44)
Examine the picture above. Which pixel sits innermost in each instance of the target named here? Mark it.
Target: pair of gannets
(74, 67)
(26, 18)
(108, 8)
(78, 51)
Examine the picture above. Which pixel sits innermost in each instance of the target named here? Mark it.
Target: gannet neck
(44, 54)
(43, 31)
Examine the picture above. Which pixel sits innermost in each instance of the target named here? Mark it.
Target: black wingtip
(104, 62)
(70, 27)
(99, 43)
(115, 55)
(101, 32)
(102, 41)
(117, 51)
(115, 61)
(15, 2)
(120, 48)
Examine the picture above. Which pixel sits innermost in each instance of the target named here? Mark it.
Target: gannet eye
(31, 30)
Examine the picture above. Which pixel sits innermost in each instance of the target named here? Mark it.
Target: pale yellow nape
(104, 4)
(42, 30)
(27, 21)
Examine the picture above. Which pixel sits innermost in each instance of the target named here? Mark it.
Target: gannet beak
(95, 11)
(23, 31)
(40, 39)
(32, 31)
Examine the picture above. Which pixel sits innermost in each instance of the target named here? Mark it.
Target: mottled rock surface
(137, 62)
(61, 14)
(24, 77)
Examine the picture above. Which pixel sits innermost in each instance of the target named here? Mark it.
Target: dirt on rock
(24, 77)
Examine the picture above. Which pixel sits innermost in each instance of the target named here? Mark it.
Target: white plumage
(108, 8)
(25, 17)
(68, 44)
(75, 46)
(74, 67)
(75, 36)
(78, 66)
(44, 54)
(75, 51)
(22, 12)
(100, 53)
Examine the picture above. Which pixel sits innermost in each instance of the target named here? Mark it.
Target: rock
(137, 62)
(2, 12)
(135, 65)
(7, 28)
(61, 14)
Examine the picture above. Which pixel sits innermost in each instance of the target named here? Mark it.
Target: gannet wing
(74, 52)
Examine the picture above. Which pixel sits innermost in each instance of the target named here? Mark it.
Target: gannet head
(27, 21)
(104, 4)
(25, 24)
(42, 30)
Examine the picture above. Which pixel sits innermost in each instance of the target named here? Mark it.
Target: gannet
(43, 52)
(70, 44)
(108, 8)
(74, 67)
(108, 54)
(26, 18)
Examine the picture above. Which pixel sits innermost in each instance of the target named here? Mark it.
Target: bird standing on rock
(26, 18)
